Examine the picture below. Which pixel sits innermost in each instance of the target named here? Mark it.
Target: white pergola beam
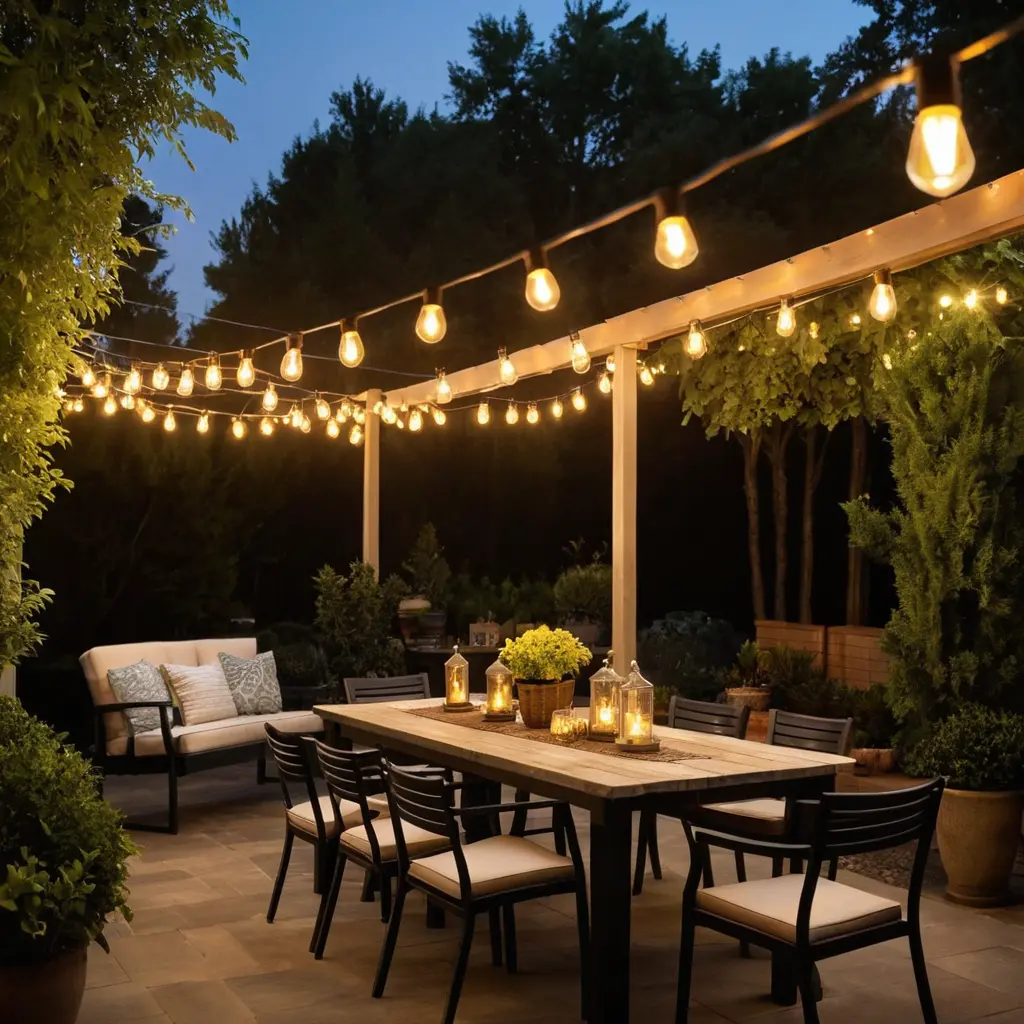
(948, 226)
(624, 508)
(371, 485)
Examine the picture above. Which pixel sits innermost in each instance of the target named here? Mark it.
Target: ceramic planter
(978, 834)
(50, 991)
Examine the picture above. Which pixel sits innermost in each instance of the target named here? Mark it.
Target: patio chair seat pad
(418, 841)
(497, 864)
(770, 905)
(379, 803)
(302, 816)
(229, 732)
(765, 808)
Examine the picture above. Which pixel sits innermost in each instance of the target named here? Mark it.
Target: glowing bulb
(444, 389)
(359, 414)
(557, 408)
(855, 320)
(110, 405)
(355, 435)
(377, 407)
(214, 378)
(786, 323)
(532, 414)
(882, 304)
(148, 415)
(238, 428)
(512, 414)
(269, 402)
(203, 423)
(604, 383)
(350, 347)
(306, 425)
(580, 356)
(101, 388)
(812, 329)
(246, 373)
(170, 423)
(133, 381)
(323, 409)
(609, 364)
(1001, 295)
(945, 301)
(579, 400)
(415, 421)
(646, 377)
(128, 402)
(507, 372)
(696, 342)
(483, 414)
(940, 159)
(431, 324)
(676, 245)
(887, 360)
(79, 405)
(88, 377)
(161, 378)
(542, 291)
(291, 361)
(344, 411)
(186, 382)
(400, 423)
(971, 299)
(440, 418)
(266, 426)
(388, 415)
(333, 430)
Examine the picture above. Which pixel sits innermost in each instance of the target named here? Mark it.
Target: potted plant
(874, 726)
(544, 663)
(981, 753)
(748, 682)
(423, 615)
(583, 599)
(63, 866)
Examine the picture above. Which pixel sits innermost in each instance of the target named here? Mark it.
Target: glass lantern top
(607, 673)
(635, 681)
(456, 660)
(498, 670)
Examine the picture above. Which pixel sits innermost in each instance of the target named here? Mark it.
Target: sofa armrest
(101, 710)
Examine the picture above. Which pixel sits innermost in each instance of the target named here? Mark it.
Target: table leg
(477, 792)
(610, 848)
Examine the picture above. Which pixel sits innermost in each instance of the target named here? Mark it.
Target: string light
(355, 435)
(542, 291)
(786, 323)
(214, 378)
(882, 304)
(557, 408)
(1001, 295)
(128, 402)
(443, 394)
(812, 329)
(646, 377)
(675, 245)
(971, 299)
(579, 400)
(507, 372)
(110, 405)
(88, 377)
(295, 415)
(440, 417)
(431, 324)
(203, 423)
(187, 381)
(239, 428)
(532, 414)
(332, 429)
(344, 410)
(246, 372)
(855, 320)
(101, 387)
(161, 378)
(323, 408)
(415, 421)
(512, 414)
(78, 405)
(945, 301)
(388, 415)
(604, 383)
(350, 346)
(359, 415)
(148, 414)
(291, 361)
(580, 355)
(400, 423)
(696, 342)
(170, 423)
(267, 426)
(270, 399)
(940, 160)
(483, 414)
(133, 381)
(305, 425)
(609, 364)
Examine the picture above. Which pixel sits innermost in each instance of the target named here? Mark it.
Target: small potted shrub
(583, 599)
(63, 867)
(423, 615)
(748, 682)
(981, 753)
(544, 663)
(874, 726)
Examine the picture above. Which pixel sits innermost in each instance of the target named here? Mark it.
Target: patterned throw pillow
(141, 681)
(201, 691)
(253, 683)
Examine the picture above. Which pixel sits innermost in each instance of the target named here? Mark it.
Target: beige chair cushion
(498, 864)
(770, 905)
(766, 809)
(418, 841)
(240, 731)
(302, 817)
(201, 692)
(379, 804)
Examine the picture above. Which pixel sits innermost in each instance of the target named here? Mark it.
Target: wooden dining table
(610, 788)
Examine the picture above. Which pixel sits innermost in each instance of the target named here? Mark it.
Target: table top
(726, 761)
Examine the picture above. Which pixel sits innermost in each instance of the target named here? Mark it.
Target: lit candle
(499, 700)
(605, 715)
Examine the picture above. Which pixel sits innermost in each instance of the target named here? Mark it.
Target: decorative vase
(757, 698)
(50, 991)
(978, 834)
(539, 698)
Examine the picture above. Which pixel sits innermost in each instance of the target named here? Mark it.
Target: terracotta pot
(874, 759)
(756, 698)
(50, 991)
(978, 835)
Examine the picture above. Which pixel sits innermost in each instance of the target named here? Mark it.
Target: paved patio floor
(200, 950)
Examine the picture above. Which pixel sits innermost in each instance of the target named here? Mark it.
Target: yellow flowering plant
(543, 653)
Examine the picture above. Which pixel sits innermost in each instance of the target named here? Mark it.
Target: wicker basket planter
(757, 698)
(538, 698)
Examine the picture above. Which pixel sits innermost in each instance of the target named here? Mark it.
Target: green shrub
(429, 574)
(62, 849)
(874, 724)
(584, 593)
(687, 652)
(976, 748)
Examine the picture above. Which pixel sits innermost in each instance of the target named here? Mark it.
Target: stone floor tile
(118, 1004)
(188, 1002)
(161, 959)
(999, 967)
(103, 969)
(225, 955)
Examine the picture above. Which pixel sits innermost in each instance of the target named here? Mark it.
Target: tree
(74, 129)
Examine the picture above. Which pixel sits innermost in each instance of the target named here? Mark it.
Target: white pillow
(201, 692)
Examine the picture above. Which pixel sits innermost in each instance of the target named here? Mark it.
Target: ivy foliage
(87, 91)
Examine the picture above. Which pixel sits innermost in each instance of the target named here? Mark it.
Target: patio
(200, 948)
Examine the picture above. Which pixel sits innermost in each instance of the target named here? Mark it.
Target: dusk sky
(301, 51)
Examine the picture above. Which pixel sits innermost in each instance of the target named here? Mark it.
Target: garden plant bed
(893, 867)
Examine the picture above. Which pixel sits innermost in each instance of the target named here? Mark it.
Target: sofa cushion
(418, 841)
(208, 651)
(253, 683)
(240, 731)
(139, 682)
(201, 691)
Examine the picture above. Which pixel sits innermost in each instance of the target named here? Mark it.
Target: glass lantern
(604, 701)
(636, 712)
(499, 694)
(456, 682)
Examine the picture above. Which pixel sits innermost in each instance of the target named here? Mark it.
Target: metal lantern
(456, 682)
(499, 694)
(636, 712)
(604, 701)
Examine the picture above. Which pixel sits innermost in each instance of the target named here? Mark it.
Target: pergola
(984, 213)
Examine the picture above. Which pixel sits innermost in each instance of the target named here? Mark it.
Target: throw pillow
(201, 691)
(253, 683)
(138, 682)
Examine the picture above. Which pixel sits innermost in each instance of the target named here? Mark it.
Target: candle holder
(636, 714)
(499, 706)
(456, 683)
(565, 726)
(604, 702)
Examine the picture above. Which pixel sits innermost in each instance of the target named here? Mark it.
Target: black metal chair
(804, 918)
(374, 691)
(488, 876)
(697, 716)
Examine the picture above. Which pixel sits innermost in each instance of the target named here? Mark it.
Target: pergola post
(624, 508)
(371, 483)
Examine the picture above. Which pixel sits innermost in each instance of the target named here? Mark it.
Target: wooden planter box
(794, 635)
(854, 656)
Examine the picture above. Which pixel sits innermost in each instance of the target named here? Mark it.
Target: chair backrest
(294, 769)
(829, 735)
(372, 691)
(352, 776)
(703, 716)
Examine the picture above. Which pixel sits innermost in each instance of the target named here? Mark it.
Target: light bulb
(203, 423)
(377, 407)
(580, 356)
(557, 408)
(400, 423)
(359, 414)
(676, 245)
(333, 430)
(88, 377)
(971, 299)
(579, 400)
(323, 409)
(101, 388)
(696, 341)
(945, 301)
(604, 383)
(532, 414)
(388, 415)
(415, 421)
(646, 376)
(148, 415)
(79, 405)
(350, 347)
(170, 423)
(110, 405)
(855, 320)
(542, 291)
(812, 329)
(161, 378)
(609, 364)
(291, 361)
(439, 417)
(507, 372)
(295, 415)
(355, 435)
(1001, 295)
(186, 382)
(512, 414)
(483, 414)
(214, 378)
(444, 389)
(266, 426)
(238, 428)
(786, 324)
(133, 381)
(246, 373)
(882, 304)
(128, 402)
(431, 323)
(344, 411)
(269, 402)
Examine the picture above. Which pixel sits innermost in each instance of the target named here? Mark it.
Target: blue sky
(300, 51)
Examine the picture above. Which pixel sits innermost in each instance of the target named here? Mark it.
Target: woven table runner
(475, 720)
